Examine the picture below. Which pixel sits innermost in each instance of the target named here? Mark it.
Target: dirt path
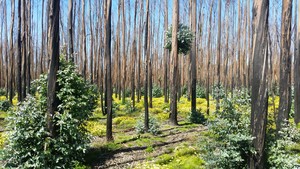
(128, 157)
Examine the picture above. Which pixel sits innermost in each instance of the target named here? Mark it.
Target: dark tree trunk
(193, 61)
(70, 31)
(19, 54)
(259, 106)
(53, 52)
(147, 53)
(12, 57)
(285, 64)
(297, 71)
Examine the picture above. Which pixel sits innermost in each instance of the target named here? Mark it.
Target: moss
(164, 159)
(124, 121)
(156, 110)
(96, 128)
(149, 149)
(2, 98)
(162, 116)
(187, 162)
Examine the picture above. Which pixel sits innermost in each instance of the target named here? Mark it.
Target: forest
(144, 84)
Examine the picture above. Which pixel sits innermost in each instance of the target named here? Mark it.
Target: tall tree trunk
(28, 44)
(146, 54)
(108, 87)
(133, 62)
(193, 56)
(24, 50)
(219, 53)
(285, 64)
(70, 31)
(19, 54)
(91, 45)
(208, 58)
(297, 71)
(174, 64)
(166, 55)
(259, 106)
(124, 54)
(83, 41)
(12, 57)
(53, 52)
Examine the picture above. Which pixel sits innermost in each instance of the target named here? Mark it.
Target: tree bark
(259, 106)
(297, 71)
(124, 54)
(108, 83)
(174, 64)
(70, 31)
(53, 54)
(146, 53)
(285, 64)
(19, 54)
(12, 57)
(219, 53)
(166, 55)
(193, 56)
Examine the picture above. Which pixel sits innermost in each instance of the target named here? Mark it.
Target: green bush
(157, 91)
(218, 91)
(4, 105)
(197, 117)
(200, 92)
(2, 92)
(280, 151)
(184, 36)
(30, 145)
(153, 126)
(232, 140)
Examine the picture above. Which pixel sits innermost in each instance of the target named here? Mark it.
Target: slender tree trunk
(285, 64)
(19, 54)
(193, 61)
(53, 52)
(219, 53)
(108, 87)
(297, 71)
(146, 53)
(83, 40)
(259, 106)
(12, 57)
(24, 50)
(70, 31)
(124, 53)
(91, 44)
(208, 58)
(133, 62)
(166, 55)
(174, 64)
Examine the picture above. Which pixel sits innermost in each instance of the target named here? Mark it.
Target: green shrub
(281, 153)
(184, 36)
(4, 105)
(232, 140)
(157, 92)
(197, 117)
(30, 145)
(200, 92)
(218, 91)
(2, 92)
(153, 126)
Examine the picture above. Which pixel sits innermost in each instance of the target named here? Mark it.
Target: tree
(70, 31)
(166, 56)
(24, 51)
(108, 83)
(19, 54)
(83, 40)
(174, 64)
(133, 59)
(259, 106)
(208, 57)
(53, 54)
(193, 62)
(219, 53)
(297, 71)
(124, 53)
(285, 64)
(147, 55)
(12, 57)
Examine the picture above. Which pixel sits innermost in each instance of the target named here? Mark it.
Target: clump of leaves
(153, 126)
(157, 91)
(232, 140)
(218, 91)
(184, 36)
(200, 92)
(2, 92)
(4, 105)
(30, 144)
(197, 117)
(280, 151)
